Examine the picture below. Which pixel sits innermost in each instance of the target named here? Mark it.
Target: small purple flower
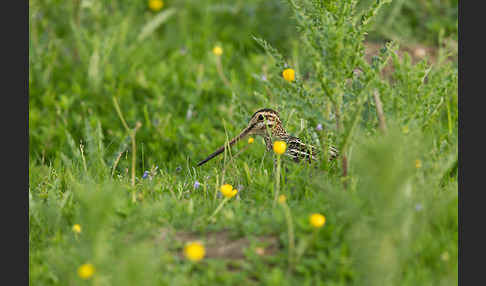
(196, 184)
(240, 188)
(319, 127)
(189, 114)
(145, 175)
(418, 207)
(263, 77)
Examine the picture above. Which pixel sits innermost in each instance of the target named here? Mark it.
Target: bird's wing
(298, 150)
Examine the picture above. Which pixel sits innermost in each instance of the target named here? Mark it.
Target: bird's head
(263, 121)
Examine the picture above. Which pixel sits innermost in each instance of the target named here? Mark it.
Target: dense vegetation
(125, 100)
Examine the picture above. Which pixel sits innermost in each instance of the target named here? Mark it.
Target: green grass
(389, 221)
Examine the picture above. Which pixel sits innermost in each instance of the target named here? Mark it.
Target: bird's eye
(260, 117)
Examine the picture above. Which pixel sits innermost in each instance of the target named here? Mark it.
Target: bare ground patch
(417, 53)
(222, 244)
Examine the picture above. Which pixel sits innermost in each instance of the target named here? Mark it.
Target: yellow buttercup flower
(217, 50)
(418, 164)
(194, 251)
(405, 129)
(155, 5)
(445, 256)
(317, 220)
(251, 140)
(279, 147)
(288, 75)
(76, 228)
(85, 271)
(226, 188)
(282, 199)
(228, 191)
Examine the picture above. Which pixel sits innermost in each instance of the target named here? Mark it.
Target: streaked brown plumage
(266, 123)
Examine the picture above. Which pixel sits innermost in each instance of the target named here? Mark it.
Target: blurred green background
(82, 53)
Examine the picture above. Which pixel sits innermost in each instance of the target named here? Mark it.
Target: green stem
(277, 182)
(219, 68)
(304, 244)
(290, 230)
(132, 133)
(219, 207)
(449, 120)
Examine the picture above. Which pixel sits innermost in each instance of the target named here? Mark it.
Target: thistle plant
(332, 35)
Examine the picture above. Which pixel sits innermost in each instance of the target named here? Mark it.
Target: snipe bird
(266, 123)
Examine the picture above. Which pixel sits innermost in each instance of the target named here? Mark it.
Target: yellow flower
(317, 220)
(228, 191)
(217, 50)
(85, 271)
(418, 164)
(155, 5)
(445, 256)
(226, 188)
(194, 251)
(282, 199)
(251, 140)
(405, 129)
(288, 75)
(76, 228)
(279, 147)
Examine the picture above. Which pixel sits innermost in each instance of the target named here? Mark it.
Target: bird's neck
(280, 133)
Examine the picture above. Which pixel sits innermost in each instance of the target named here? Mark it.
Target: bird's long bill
(221, 149)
